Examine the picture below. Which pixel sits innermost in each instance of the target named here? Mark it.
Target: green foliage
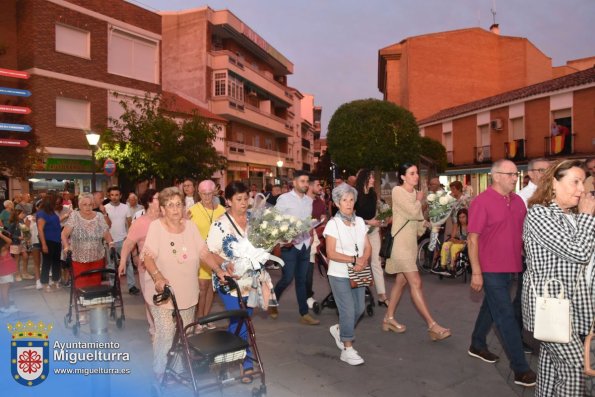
(21, 162)
(434, 151)
(373, 134)
(147, 143)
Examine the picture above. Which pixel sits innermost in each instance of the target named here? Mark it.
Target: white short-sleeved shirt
(347, 237)
(117, 215)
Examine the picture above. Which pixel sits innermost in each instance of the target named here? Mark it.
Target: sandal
(384, 302)
(438, 335)
(247, 376)
(389, 324)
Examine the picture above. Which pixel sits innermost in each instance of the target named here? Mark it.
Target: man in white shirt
(536, 168)
(133, 207)
(118, 215)
(296, 255)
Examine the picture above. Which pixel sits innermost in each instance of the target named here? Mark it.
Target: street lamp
(279, 165)
(92, 139)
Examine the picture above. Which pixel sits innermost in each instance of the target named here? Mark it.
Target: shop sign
(13, 143)
(14, 109)
(14, 91)
(109, 167)
(68, 165)
(17, 74)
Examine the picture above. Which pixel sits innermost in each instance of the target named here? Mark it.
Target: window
(268, 143)
(484, 135)
(73, 113)
(447, 140)
(240, 137)
(133, 56)
(227, 85)
(256, 141)
(73, 41)
(518, 129)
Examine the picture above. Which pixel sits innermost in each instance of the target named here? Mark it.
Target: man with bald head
(495, 245)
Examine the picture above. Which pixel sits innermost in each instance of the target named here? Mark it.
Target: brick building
(552, 119)
(215, 60)
(78, 53)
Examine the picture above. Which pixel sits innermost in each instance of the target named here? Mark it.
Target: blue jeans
(231, 303)
(350, 303)
(497, 308)
(297, 262)
(130, 279)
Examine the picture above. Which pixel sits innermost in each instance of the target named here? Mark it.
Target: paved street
(303, 360)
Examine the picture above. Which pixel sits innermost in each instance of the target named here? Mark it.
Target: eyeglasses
(510, 174)
(540, 170)
(171, 206)
(206, 193)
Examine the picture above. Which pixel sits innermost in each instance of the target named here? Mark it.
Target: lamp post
(279, 165)
(92, 139)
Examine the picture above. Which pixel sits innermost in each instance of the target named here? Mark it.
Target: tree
(147, 143)
(435, 151)
(373, 134)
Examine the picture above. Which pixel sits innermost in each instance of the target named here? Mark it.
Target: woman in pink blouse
(135, 241)
(172, 254)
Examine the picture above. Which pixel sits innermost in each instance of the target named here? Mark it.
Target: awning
(68, 175)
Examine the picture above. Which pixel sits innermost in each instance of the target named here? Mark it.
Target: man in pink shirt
(495, 244)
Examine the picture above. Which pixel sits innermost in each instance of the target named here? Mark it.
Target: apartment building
(213, 59)
(435, 71)
(78, 53)
(552, 119)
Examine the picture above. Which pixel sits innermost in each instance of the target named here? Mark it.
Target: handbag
(590, 354)
(360, 279)
(386, 247)
(552, 315)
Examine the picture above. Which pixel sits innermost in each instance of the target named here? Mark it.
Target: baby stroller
(85, 298)
(212, 349)
(329, 300)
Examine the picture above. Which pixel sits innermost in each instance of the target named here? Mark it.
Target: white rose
(451, 199)
(278, 218)
(443, 200)
(431, 197)
(274, 232)
(264, 225)
(267, 212)
(440, 193)
(284, 227)
(298, 224)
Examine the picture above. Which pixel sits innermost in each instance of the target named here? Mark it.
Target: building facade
(78, 54)
(214, 59)
(552, 119)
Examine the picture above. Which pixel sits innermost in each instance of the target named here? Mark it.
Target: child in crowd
(8, 266)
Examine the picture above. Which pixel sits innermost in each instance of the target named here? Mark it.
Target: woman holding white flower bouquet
(408, 223)
(347, 245)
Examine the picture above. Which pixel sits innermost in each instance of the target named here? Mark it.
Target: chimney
(495, 28)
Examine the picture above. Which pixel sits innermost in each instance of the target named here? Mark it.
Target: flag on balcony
(557, 144)
(513, 148)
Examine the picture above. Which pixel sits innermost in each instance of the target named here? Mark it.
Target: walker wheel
(316, 307)
(75, 329)
(120, 323)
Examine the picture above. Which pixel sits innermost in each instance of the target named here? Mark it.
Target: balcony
(251, 115)
(450, 157)
(483, 154)
(306, 143)
(241, 152)
(515, 150)
(218, 60)
(561, 145)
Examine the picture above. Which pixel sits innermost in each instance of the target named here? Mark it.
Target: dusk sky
(334, 44)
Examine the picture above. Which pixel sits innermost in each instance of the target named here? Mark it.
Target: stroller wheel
(75, 329)
(316, 307)
(370, 310)
(120, 323)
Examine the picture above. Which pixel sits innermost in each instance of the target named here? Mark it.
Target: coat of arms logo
(29, 352)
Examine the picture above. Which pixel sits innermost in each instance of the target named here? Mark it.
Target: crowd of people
(182, 237)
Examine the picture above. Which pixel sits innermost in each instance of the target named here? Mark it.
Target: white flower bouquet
(384, 212)
(440, 206)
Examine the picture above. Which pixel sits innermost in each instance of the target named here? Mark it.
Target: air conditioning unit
(496, 124)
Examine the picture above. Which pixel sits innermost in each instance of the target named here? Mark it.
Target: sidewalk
(303, 360)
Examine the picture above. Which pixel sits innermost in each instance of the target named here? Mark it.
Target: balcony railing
(515, 150)
(241, 148)
(305, 143)
(560, 145)
(483, 154)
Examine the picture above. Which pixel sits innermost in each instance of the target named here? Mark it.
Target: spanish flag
(557, 144)
(513, 148)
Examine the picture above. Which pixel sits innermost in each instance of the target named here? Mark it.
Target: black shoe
(383, 303)
(527, 379)
(134, 291)
(483, 354)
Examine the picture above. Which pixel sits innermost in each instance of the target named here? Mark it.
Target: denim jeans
(497, 308)
(231, 303)
(296, 265)
(350, 303)
(130, 279)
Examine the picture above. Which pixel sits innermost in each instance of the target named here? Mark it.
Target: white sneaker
(310, 302)
(351, 357)
(334, 330)
(38, 284)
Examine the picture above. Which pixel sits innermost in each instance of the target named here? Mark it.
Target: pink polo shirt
(499, 221)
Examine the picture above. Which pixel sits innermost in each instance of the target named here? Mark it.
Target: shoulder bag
(552, 315)
(386, 246)
(362, 278)
(590, 354)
